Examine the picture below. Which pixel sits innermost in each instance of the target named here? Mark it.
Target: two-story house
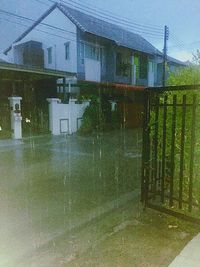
(79, 47)
(69, 40)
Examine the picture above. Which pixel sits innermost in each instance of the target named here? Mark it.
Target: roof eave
(32, 26)
(35, 70)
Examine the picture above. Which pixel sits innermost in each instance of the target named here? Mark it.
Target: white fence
(65, 118)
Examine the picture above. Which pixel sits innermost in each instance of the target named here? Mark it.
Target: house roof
(108, 30)
(3, 58)
(176, 61)
(96, 26)
(173, 61)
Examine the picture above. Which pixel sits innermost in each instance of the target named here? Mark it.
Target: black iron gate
(35, 109)
(171, 151)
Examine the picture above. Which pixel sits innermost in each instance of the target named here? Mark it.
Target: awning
(10, 68)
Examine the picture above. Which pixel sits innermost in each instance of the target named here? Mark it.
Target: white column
(133, 71)
(54, 116)
(16, 118)
(150, 73)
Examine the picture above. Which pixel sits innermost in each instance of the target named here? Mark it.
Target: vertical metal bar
(159, 170)
(182, 152)
(145, 150)
(172, 151)
(151, 170)
(144, 144)
(164, 148)
(155, 145)
(192, 145)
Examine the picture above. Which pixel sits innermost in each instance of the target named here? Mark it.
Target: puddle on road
(51, 187)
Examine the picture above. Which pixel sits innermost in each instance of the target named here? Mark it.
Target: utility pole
(166, 37)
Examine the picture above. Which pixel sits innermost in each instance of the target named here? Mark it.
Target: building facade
(68, 40)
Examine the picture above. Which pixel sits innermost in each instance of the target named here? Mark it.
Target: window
(82, 52)
(102, 57)
(49, 55)
(92, 51)
(123, 66)
(118, 64)
(67, 47)
(143, 66)
(151, 66)
(137, 64)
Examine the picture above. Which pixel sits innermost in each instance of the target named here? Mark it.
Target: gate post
(16, 118)
(53, 115)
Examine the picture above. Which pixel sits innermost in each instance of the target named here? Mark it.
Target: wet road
(51, 187)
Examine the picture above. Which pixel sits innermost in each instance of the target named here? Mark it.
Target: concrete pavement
(68, 201)
(190, 255)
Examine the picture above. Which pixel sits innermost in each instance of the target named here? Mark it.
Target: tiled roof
(176, 61)
(108, 30)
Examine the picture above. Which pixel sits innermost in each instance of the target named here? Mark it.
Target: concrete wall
(65, 118)
(55, 38)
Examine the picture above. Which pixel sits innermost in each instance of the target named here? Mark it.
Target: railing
(171, 150)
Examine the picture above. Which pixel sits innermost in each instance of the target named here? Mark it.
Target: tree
(186, 76)
(189, 75)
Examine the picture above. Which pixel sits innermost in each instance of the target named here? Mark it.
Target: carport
(34, 85)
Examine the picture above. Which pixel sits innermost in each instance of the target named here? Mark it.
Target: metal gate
(171, 151)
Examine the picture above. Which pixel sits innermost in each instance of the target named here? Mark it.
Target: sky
(147, 17)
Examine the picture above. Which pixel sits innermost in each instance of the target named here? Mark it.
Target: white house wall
(64, 31)
(18, 56)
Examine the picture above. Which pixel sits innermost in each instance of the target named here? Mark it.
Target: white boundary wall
(65, 118)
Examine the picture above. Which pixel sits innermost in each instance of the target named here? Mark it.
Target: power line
(184, 45)
(39, 30)
(175, 39)
(32, 20)
(45, 24)
(136, 27)
(89, 6)
(46, 32)
(57, 28)
(53, 34)
(113, 17)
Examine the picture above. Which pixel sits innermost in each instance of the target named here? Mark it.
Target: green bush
(97, 116)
